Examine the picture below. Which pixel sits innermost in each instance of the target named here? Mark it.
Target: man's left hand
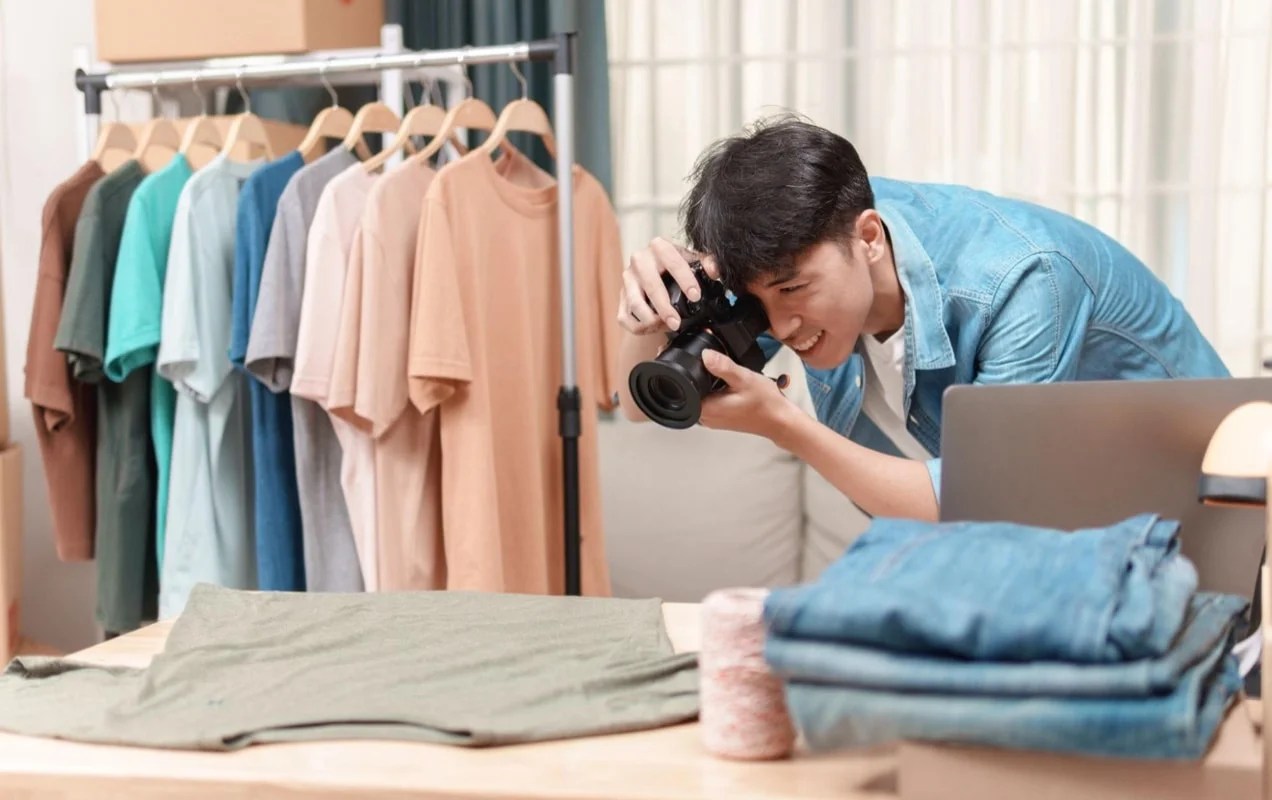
(752, 403)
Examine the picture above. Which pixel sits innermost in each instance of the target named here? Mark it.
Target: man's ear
(870, 230)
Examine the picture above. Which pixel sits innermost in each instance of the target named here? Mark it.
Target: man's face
(819, 309)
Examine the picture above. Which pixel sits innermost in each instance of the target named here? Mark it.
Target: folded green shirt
(460, 668)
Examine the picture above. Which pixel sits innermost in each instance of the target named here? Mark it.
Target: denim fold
(999, 591)
(1209, 624)
(1177, 725)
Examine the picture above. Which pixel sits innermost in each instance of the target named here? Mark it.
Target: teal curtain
(439, 24)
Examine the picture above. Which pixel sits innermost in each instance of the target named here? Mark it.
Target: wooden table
(650, 765)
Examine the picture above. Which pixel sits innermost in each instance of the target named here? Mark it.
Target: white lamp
(1237, 471)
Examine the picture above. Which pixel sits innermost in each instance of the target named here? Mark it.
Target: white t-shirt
(884, 400)
(209, 524)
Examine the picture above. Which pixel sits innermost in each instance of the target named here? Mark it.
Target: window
(1146, 118)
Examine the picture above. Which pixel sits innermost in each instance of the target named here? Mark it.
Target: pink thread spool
(742, 708)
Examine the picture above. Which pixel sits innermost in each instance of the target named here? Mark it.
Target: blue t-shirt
(280, 563)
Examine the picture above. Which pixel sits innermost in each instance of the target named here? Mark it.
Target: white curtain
(1147, 118)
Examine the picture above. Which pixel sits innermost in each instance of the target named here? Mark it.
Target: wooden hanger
(423, 120)
(333, 122)
(113, 137)
(247, 128)
(375, 117)
(200, 131)
(159, 132)
(469, 113)
(521, 115)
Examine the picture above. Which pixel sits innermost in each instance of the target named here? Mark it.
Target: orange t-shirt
(485, 352)
(368, 382)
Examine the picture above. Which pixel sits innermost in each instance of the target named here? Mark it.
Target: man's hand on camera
(643, 304)
(752, 403)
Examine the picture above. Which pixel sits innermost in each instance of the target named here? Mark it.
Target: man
(890, 292)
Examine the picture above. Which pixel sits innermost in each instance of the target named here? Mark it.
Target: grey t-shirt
(458, 668)
(331, 560)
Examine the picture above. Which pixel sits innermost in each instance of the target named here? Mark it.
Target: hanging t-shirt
(65, 410)
(126, 471)
(331, 560)
(280, 564)
(136, 308)
(210, 535)
(330, 241)
(485, 350)
(368, 382)
(884, 398)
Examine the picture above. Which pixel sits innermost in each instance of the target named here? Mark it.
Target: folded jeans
(1176, 725)
(999, 591)
(1210, 618)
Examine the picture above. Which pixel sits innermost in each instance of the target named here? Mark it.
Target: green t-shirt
(136, 310)
(127, 581)
(466, 669)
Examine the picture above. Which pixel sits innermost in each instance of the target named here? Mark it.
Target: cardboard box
(10, 549)
(159, 30)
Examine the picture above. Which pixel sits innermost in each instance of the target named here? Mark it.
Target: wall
(38, 150)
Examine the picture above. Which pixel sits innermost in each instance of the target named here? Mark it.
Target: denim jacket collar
(927, 342)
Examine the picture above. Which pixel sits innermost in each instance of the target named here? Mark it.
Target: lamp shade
(1239, 458)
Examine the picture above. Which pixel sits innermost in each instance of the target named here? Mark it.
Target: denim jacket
(1003, 291)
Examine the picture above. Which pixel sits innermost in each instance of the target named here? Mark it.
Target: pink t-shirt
(368, 382)
(330, 242)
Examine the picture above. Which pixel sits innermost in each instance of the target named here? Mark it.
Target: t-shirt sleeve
(81, 329)
(271, 345)
(382, 393)
(136, 297)
(48, 381)
(609, 267)
(438, 360)
(320, 306)
(344, 364)
(184, 360)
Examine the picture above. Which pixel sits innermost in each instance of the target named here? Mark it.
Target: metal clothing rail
(560, 50)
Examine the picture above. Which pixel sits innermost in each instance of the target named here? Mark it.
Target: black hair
(762, 197)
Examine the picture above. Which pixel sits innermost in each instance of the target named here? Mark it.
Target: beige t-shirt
(368, 382)
(330, 242)
(485, 352)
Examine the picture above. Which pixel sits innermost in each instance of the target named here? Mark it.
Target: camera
(670, 388)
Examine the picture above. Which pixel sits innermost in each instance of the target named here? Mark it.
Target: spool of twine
(742, 708)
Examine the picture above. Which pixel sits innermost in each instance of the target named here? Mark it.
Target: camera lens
(669, 389)
(667, 393)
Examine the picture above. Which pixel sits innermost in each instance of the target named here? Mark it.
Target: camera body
(670, 388)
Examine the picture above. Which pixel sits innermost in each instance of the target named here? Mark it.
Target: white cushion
(690, 511)
(832, 523)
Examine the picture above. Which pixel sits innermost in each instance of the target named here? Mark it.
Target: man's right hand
(643, 304)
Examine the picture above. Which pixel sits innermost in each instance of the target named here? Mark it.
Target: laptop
(1089, 453)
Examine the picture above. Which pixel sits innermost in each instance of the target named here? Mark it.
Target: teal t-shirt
(136, 309)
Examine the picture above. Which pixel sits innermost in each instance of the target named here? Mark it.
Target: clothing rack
(390, 62)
